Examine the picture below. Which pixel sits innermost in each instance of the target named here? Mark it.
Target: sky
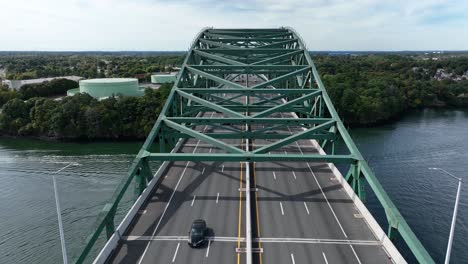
(168, 25)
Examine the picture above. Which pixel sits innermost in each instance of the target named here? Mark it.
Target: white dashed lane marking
(193, 201)
(175, 253)
(307, 209)
(292, 259)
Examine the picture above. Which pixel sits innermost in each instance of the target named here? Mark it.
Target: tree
(15, 114)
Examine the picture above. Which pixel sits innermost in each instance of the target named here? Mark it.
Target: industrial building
(164, 78)
(107, 87)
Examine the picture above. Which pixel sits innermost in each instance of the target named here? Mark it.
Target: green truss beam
(208, 104)
(249, 157)
(202, 137)
(287, 105)
(214, 78)
(218, 58)
(249, 120)
(281, 78)
(278, 58)
(294, 138)
(249, 91)
(291, 83)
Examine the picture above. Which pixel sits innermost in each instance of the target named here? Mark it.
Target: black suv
(197, 233)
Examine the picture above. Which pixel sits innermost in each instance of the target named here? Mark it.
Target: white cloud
(171, 25)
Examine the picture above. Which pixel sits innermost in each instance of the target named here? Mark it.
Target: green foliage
(22, 66)
(7, 94)
(365, 89)
(14, 116)
(83, 117)
(46, 89)
(371, 89)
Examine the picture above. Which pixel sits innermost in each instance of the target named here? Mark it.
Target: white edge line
(387, 244)
(112, 243)
(165, 209)
(329, 205)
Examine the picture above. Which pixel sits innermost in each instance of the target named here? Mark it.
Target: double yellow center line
(239, 227)
(258, 217)
(239, 230)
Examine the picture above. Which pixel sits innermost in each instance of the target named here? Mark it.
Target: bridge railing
(360, 171)
(113, 211)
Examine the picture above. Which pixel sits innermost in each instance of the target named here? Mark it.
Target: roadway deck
(304, 215)
(190, 190)
(300, 212)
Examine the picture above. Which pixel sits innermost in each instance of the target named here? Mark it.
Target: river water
(28, 216)
(399, 153)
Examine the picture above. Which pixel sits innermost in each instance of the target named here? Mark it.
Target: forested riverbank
(81, 117)
(367, 90)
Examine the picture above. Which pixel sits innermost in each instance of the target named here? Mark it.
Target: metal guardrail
(360, 172)
(105, 219)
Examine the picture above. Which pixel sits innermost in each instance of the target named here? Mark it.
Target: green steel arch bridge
(248, 140)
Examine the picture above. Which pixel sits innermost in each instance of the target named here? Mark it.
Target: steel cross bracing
(215, 77)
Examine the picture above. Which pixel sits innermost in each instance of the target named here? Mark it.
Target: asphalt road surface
(305, 216)
(190, 190)
(300, 213)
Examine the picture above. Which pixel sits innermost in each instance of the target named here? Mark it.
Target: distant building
(16, 84)
(164, 78)
(107, 87)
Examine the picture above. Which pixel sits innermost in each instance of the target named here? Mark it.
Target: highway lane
(304, 216)
(189, 191)
(304, 200)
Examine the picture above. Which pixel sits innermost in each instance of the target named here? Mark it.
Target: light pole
(454, 218)
(59, 214)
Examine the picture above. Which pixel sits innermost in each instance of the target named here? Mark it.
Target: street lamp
(454, 218)
(59, 214)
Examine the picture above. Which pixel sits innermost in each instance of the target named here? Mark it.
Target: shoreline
(380, 123)
(73, 140)
(402, 114)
